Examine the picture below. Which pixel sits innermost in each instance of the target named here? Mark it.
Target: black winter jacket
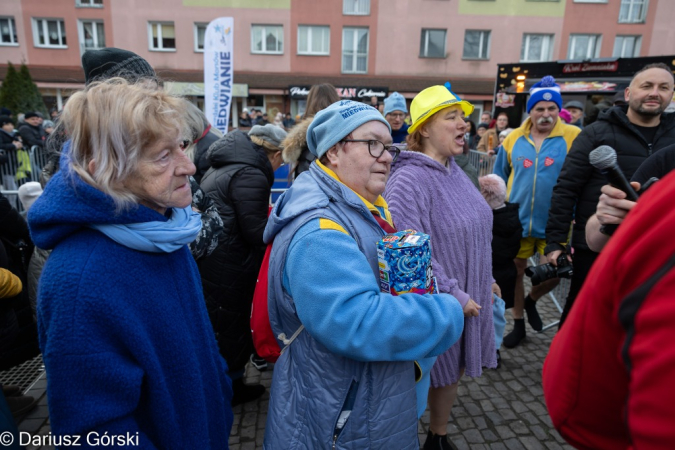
(200, 159)
(32, 135)
(579, 183)
(506, 234)
(6, 145)
(239, 182)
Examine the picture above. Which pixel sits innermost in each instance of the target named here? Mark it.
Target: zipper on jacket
(345, 411)
(534, 185)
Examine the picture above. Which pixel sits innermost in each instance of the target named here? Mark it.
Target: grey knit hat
(115, 62)
(269, 133)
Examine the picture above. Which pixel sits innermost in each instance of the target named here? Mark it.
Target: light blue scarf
(156, 237)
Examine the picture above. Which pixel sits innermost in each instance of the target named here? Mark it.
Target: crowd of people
(135, 270)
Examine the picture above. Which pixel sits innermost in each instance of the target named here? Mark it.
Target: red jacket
(608, 378)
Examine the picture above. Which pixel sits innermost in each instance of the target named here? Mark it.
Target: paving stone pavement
(503, 409)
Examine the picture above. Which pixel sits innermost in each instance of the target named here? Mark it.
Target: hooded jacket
(357, 348)
(124, 334)
(295, 149)
(575, 196)
(201, 149)
(239, 182)
(530, 173)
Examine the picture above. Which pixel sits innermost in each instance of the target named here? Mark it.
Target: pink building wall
(312, 12)
(15, 54)
(59, 9)
(663, 31)
(130, 21)
(603, 18)
(401, 23)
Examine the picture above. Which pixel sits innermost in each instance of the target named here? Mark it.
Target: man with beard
(529, 164)
(635, 131)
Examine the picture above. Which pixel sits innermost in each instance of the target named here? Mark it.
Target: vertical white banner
(218, 50)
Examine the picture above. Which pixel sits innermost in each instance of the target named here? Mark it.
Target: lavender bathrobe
(441, 201)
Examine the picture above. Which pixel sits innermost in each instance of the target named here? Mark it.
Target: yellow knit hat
(433, 99)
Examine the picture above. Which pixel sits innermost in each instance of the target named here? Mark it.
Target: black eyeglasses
(377, 148)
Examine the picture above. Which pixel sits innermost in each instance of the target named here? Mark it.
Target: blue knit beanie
(395, 102)
(545, 91)
(332, 124)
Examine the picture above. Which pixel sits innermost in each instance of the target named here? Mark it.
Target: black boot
(518, 334)
(438, 442)
(243, 393)
(532, 315)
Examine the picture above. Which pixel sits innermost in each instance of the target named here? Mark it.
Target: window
(89, 3)
(8, 31)
(267, 39)
(313, 40)
(355, 50)
(584, 46)
(633, 11)
(432, 44)
(627, 46)
(536, 47)
(476, 44)
(200, 32)
(162, 36)
(92, 36)
(356, 7)
(49, 33)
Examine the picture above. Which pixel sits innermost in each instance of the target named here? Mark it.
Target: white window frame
(310, 30)
(195, 28)
(11, 23)
(160, 45)
(631, 4)
(483, 34)
(355, 54)
(80, 34)
(88, 4)
(425, 40)
(548, 47)
(595, 41)
(41, 22)
(637, 44)
(265, 27)
(355, 7)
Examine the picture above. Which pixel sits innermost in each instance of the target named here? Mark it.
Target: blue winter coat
(358, 345)
(125, 336)
(530, 173)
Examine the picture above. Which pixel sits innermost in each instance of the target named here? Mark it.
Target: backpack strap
(288, 342)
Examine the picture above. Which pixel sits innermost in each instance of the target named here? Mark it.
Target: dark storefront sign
(591, 67)
(348, 92)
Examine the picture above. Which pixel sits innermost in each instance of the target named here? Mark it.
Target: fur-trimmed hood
(295, 142)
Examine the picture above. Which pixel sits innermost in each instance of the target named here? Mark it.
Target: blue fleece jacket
(530, 172)
(399, 135)
(125, 336)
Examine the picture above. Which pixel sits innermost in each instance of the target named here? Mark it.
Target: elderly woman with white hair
(123, 329)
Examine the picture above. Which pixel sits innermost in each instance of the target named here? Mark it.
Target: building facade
(367, 48)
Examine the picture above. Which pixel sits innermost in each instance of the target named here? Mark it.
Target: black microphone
(603, 158)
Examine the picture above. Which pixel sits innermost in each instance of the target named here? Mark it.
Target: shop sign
(348, 92)
(591, 67)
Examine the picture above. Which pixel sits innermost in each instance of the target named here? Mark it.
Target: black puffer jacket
(200, 159)
(32, 135)
(239, 182)
(506, 234)
(579, 183)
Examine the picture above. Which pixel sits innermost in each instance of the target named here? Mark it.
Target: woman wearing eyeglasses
(428, 192)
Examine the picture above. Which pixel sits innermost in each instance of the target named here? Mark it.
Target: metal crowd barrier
(37, 158)
(483, 162)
